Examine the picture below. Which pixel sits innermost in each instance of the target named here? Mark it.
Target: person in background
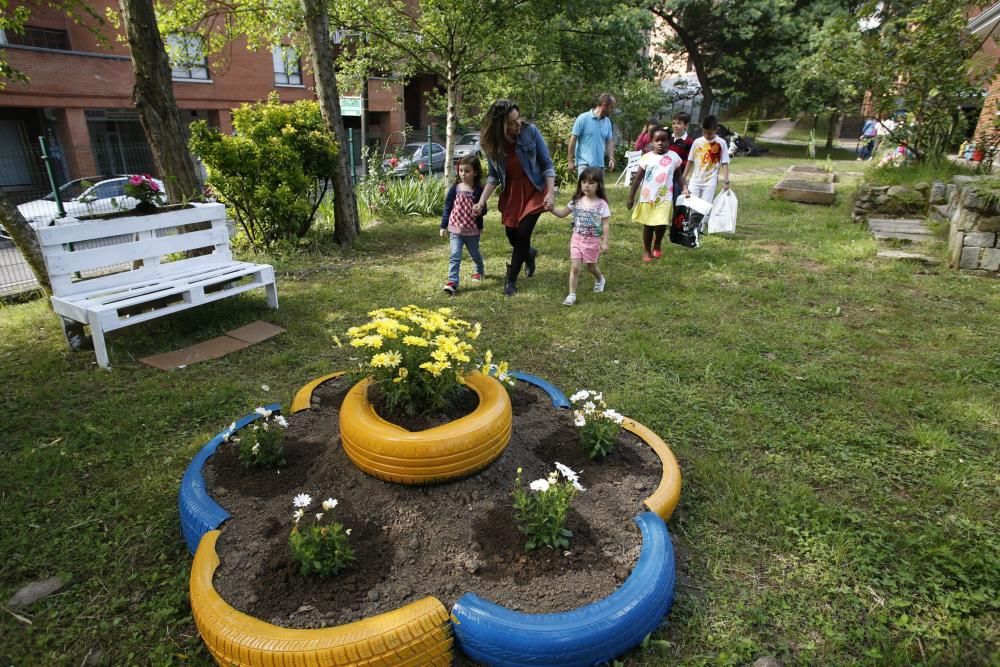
(680, 143)
(654, 183)
(644, 142)
(867, 139)
(519, 163)
(592, 138)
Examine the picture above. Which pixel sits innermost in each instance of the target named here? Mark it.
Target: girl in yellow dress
(655, 181)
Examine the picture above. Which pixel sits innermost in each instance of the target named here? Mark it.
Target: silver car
(415, 157)
(84, 196)
(467, 144)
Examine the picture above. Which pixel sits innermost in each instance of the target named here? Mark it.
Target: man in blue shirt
(592, 137)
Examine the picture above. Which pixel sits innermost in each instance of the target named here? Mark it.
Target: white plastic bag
(722, 219)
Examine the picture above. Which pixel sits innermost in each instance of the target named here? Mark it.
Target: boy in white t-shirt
(709, 156)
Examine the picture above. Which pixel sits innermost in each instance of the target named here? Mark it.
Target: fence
(90, 182)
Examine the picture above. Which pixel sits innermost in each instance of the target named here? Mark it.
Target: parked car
(84, 196)
(468, 144)
(415, 157)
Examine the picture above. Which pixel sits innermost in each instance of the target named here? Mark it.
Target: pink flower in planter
(135, 180)
(153, 186)
(393, 162)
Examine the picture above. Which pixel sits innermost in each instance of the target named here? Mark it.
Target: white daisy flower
(319, 515)
(263, 412)
(281, 421)
(302, 500)
(329, 504)
(265, 387)
(579, 396)
(540, 485)
(256, 448)
(577, 485)
(589, 407)
(348, 531)
(567, 472)
(298, 514)
(580, 420)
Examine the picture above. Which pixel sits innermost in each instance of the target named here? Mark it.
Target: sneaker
(599, 285)
(450, 287)
(657, 253)
(477, 277)
(569, 300)
(510, 288)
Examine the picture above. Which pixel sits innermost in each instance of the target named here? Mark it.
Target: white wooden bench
(111, 274)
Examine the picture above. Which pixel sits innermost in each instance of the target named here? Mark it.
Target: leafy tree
(921, 62)
(479, 51)
(744, 48)
(826, 81)
(275, 171)
(263, 23)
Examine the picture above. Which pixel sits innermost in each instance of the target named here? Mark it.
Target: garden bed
(439, 541)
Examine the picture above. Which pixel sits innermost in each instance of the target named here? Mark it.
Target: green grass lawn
(836, 418)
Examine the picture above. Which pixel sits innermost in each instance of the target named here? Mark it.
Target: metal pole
(350, 149)
(52, 179)
(430, 153)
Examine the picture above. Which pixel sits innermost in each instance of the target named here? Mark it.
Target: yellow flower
(358, 342)
(435, 367)
(389, 359)
(403, 372)
(488, 358)
(373, 341)
(415, 341)
(477, 328)
(336, 341)
(444, 311)
(439, 355)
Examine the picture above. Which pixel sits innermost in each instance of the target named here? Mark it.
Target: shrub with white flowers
(540, 510)
(260, 445)
(323, 546)
(599, 425)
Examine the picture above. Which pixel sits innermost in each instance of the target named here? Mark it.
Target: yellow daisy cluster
(414, 337)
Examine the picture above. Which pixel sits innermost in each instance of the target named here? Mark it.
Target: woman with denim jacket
(519, 163)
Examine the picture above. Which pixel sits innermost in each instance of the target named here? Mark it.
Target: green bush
(556, 128)
(274, 172)
(419, 195)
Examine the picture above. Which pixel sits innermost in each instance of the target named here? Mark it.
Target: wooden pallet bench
(110, 274)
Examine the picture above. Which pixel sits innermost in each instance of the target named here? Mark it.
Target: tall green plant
(274, 172)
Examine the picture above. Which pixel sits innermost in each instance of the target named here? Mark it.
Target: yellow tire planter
(668, 493)
(414, 635)
(456, 449)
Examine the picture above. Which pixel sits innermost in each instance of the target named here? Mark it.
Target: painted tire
(414, 635)
(668, 493)
(303, 397)
(445, 452)
(590, 635)
(559, 399)
(199, 513)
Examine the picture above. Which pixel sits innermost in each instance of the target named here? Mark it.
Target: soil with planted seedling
(441, 540)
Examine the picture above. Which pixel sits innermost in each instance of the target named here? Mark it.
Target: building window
(287, 66)
(41, 38)
(187, 56)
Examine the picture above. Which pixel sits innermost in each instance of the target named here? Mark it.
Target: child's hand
(604, 247)
(686, 192)
(477, 208)
(442, 232)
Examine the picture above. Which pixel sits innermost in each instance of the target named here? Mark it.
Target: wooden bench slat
(69, 261)
(89, 229)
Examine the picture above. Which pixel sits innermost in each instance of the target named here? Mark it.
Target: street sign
(350, 106)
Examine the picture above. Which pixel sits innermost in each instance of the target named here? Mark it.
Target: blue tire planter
(590, 635)
(199, 513)
(559, 399)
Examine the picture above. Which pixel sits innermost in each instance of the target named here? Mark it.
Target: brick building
(983, 25)
(79, 98)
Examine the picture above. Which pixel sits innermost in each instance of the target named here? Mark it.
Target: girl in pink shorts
(591, 229)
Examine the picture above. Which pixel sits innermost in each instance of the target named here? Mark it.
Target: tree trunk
(451, 124)
(691, 46)
(25, 239)
(345, 207)
(831, 131)
(153, 97)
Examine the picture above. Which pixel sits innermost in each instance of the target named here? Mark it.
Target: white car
(467, 144)
(82, 197)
